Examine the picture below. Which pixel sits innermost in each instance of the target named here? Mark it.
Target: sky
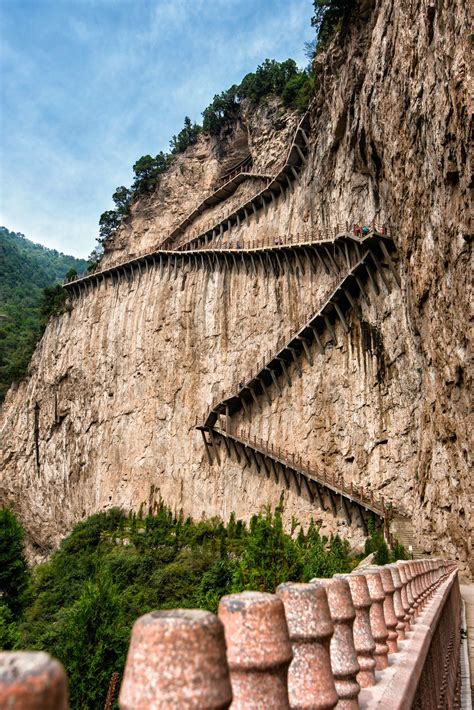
(89, 86)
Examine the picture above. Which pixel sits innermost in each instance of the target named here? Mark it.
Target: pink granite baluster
(377, 619)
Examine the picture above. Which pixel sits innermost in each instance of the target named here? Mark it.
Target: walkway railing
(277, 243)
(296, 158)
(295, 462)
(381, 638)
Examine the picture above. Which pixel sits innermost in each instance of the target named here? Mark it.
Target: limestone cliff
(107, 416)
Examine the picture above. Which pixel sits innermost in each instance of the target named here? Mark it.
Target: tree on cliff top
(329, 17)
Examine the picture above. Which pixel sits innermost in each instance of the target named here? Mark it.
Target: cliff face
(120, 378)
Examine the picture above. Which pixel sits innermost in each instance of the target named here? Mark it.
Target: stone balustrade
(382, 637)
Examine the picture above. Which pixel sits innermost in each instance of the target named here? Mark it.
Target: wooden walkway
(221, 193)
(274, 370)
(276, 188)
(272, 258)
(355, 503)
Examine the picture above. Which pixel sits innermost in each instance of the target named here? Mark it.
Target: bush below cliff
(115, 567)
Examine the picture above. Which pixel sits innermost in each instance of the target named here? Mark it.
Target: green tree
(187, 136)
(148, 171)
(14, 574)
(330, 16)
(109, 222)
(122, 198)
(92, 641)
(53, 302)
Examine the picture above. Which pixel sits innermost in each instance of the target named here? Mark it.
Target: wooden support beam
(275, 471)
(248, 460)
(236, 450)
(289, 183)
(271, 263)
(262, 263)
(285, 475)
(331, 259)
(362, 289)
(297, 256)
(300, 153)
(214, 445)
(275, 380)
(390, 263)
(226, 444)
(227, 419)
(255, 211)
(238, 219)
(265, 464)
(308, 488)
(254, 456)
(253, 264)
(348, 258)
(310, 261)
(206, 443)
(294, 171)
(331, 500)
(297, 480)
(341, 315)
(323, 263)
(346, 509)
(254, 397)
(306, 349)
(362, 519)
(285, 256)
(353, 303)
(285, 370)
(317, 339)
(280, 268)
(245, 405)
(371, 278)
(319, 494)
(305, 137)
(294, 355)
(264, 389)
(273, 196)
(380, 269)
(330, 328)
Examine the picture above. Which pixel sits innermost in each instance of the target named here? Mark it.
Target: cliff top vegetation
(293, 86)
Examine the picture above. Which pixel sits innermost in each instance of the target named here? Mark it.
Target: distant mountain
(25, 270)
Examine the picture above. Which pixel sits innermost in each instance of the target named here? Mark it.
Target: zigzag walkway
(341, 296)
(224, 191)
(278, 463)
(272, 257)
(283, 180)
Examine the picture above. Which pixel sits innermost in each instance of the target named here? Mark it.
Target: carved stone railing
(386, 638)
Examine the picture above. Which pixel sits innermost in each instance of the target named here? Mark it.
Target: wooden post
(284, 370)
(341, 316)
(206, 443)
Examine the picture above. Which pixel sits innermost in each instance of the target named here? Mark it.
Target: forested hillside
(114, 567)
(25, 270)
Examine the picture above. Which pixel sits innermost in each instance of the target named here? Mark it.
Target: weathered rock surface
(121, 378)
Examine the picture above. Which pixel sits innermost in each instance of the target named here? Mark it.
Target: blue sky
(88, 86)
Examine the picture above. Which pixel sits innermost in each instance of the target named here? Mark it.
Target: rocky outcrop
(121, 377)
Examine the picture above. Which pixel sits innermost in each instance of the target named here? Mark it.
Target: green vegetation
(26, 269)
(295, 87)
(382, 554)
(115, 567)
(330, 17)
(187, 136)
